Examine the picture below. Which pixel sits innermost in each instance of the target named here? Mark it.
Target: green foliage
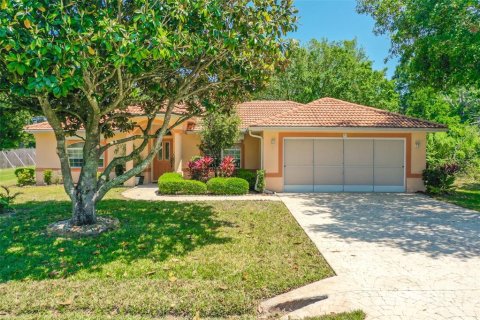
(174, 183)
(227, 186)
(260, 181)
(460, 110)
(336, 69)
(440, 178)
(25, 176)
(47, 177)
(248, 175)
(12, 135)
(84, 62)
(170, 176)
(219, 131)
(6, 199)
(437, 41)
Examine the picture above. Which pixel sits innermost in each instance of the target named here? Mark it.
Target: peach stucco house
(325, 145)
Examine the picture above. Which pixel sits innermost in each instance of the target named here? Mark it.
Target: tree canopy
(85, 62)
(337, 69)
(437, 40)
(219, 131)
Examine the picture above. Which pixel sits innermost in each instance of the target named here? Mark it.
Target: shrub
(170, 176)
(173, 183)
(200, 168)
(25, 176)
(227, 186)
(260, 181)
(6, 199)
(47, 177)
(227, 167)
(440, 178)
(248, 175)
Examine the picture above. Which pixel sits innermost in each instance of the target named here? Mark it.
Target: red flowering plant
(227, 167)
(200, 168)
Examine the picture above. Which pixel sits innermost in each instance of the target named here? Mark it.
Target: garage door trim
(344, 187)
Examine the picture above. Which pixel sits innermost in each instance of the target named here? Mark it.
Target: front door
(163, 161)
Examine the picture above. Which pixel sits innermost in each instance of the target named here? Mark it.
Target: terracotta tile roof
(253, 111)
(324, 112)
(135, 110)
(329, 112)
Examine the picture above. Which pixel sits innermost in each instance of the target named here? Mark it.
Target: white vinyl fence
(17, 158)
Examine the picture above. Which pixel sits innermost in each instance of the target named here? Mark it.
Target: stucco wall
(415, 142)
(251, 152)
(190, 143)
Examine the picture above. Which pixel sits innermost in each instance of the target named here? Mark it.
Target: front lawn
(7, 177)
(217, 259)
(467, 195)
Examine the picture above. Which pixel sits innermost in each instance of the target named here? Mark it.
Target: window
(235, 152)
(75, 155)
(165, 146)
(167, 151)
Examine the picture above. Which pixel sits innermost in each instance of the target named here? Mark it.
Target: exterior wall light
(272, 141)
(417, 144)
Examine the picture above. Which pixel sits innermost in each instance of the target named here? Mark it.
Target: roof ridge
(387, 112)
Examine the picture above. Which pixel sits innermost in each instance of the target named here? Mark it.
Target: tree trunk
(83, 208)
(85, 199)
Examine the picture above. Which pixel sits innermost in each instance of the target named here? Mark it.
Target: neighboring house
(325, 145)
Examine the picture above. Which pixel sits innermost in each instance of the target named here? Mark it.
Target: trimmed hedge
(25, 176)
(170, 176)
(248, 175)
(227, 186)
(173, 183)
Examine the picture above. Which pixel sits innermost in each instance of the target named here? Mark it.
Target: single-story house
(325, 145)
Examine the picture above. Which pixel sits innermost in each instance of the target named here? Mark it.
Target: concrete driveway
(396, 256)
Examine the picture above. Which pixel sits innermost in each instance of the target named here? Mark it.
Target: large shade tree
(337, 69)
(84, 62)
(437, 41)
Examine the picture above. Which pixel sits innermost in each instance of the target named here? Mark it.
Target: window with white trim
(75, 155)
(236, 153)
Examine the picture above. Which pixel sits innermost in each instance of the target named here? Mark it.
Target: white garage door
(351, 165)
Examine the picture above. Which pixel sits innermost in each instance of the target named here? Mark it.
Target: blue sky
(338, 20)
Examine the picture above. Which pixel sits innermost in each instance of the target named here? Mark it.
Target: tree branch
(61, 145)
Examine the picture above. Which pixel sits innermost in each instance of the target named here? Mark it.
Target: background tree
(436, 40)
(459, 109)
(219, 131)
(84, 62)
(12, 135)
(336, 69)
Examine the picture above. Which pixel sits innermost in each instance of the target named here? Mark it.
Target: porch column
(177, 151)
(129, 165)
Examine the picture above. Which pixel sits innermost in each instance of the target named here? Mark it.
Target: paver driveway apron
(396, 256)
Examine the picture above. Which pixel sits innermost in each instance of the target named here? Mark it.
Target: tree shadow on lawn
(149, 230)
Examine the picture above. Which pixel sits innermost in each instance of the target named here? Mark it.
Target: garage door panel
(328, 175)
(299, 175)
(389, 153)
(299, 152)
(358, 175)
(328, 152)
(388, 177)
(358, 152)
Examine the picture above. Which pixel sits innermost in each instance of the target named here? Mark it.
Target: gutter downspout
(261, 146)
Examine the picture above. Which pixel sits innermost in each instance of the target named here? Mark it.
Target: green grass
(217, 259)
(356, 315)
(466, 195)
(7, 177)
